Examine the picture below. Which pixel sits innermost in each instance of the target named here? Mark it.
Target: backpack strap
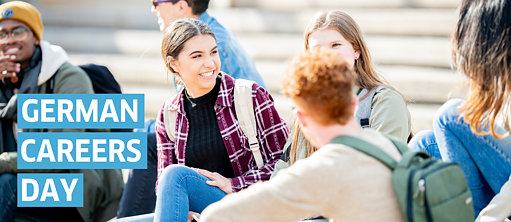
(169, 119)
(366, 148)
(364, 107)
(246, 117)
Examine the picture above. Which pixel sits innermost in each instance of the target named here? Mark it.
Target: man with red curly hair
(337, 181)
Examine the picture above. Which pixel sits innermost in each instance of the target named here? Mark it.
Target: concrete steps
(301, 4)
(378, 21)
(419, 84)
(386, 50)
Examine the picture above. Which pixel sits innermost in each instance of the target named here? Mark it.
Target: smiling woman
(218, 158)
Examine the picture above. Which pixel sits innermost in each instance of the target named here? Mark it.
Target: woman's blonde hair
(482, 52)
(175, 37)
(367, 78)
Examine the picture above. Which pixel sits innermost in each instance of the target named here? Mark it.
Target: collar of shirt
(205, 17)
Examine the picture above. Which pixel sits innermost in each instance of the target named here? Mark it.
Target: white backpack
(244, 110)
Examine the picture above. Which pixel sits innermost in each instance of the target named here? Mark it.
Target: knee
(448, 112)
(422, 140)
(173, 174)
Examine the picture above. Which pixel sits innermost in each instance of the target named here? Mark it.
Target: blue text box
(80, 111)
(50, 190)
(82, 150)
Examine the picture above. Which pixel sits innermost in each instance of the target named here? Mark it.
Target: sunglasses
(17, 34)
(156, 3)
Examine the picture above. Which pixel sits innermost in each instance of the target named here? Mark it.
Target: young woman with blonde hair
(389, 114)
(475, 132)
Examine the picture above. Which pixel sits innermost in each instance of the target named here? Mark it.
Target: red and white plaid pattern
(272, 133)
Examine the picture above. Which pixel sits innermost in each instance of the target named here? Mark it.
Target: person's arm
(164, 145)
(272, 133)
(390, 114)
(302, 190)
(72, 80)
(500, 206)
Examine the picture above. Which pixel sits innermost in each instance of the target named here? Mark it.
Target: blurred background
(408, 39)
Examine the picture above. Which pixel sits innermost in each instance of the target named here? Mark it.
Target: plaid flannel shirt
(272, 134)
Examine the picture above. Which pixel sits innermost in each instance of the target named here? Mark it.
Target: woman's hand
(217, 180)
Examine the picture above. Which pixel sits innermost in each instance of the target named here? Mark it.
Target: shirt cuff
(237, 183)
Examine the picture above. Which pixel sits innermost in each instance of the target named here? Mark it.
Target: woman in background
(475, 132)
(381, 107)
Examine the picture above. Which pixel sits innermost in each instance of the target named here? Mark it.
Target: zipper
(409, 202)
(423, 188)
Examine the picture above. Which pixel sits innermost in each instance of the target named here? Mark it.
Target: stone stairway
(408, 40)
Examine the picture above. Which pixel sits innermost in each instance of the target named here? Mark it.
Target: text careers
(82, 150)
(50, 190)
(80, 111)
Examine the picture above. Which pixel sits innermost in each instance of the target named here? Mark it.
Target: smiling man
(27, 65)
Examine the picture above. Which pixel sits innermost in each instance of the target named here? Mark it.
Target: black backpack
(102, 79)
(103, 82)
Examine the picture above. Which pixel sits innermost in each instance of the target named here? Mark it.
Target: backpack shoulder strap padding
(169, 119)
(246, 117)
(364, 107)
(366, 148)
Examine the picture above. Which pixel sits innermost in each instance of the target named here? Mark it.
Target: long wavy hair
(482, 52)
(368, 77)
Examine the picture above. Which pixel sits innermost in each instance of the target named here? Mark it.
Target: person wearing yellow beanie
(28, 64)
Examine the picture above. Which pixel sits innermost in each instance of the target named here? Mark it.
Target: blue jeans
(8, 190)
(485, 160)
(180, 190)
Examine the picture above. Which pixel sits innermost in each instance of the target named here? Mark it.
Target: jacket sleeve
(272, 133)
(499, 208)
(390, 114)
(72, 80)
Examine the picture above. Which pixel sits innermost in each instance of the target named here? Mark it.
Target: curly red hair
(321, 83)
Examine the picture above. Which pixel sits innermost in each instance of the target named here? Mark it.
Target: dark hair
(482, 52)
(177, 34)
(198, 6)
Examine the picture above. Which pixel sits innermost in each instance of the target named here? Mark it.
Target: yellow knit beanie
(23, 12)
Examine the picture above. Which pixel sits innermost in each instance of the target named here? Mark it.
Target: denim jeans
(485, 160)
(8, 196)
(180, 190)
